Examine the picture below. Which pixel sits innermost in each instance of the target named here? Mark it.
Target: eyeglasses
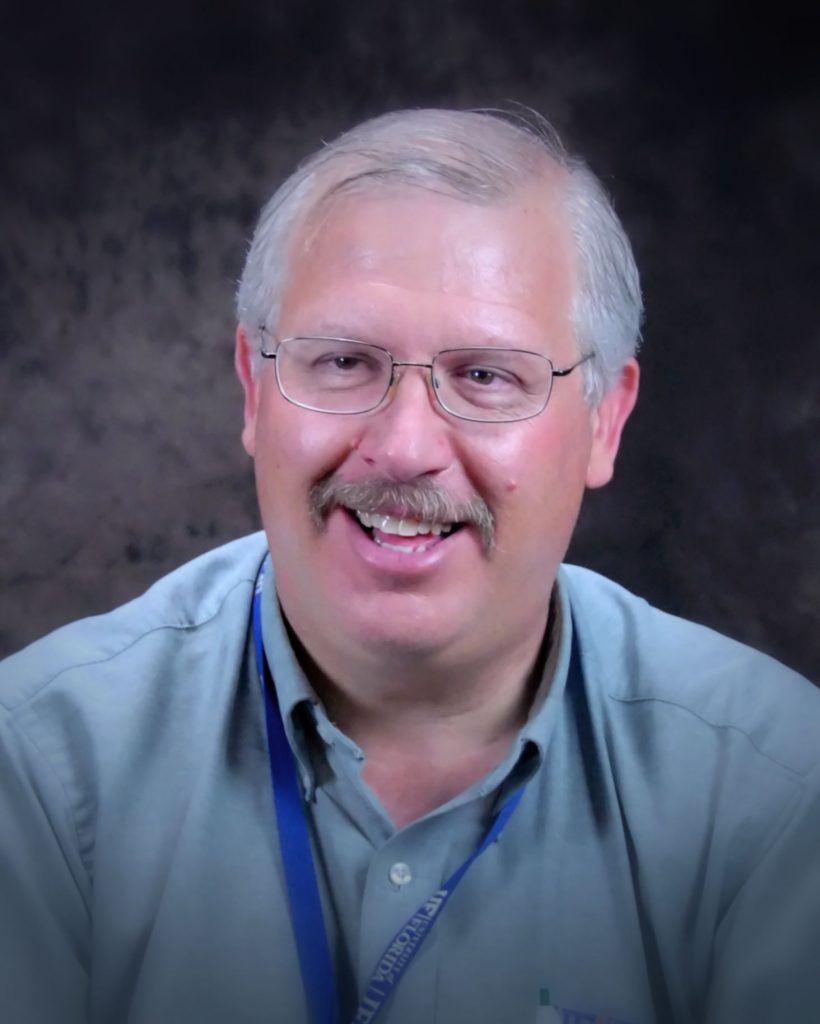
(345, 377)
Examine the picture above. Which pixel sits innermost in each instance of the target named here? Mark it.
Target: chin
(394, 631)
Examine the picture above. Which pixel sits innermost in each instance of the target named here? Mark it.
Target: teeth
(409, 528)
(401, 527)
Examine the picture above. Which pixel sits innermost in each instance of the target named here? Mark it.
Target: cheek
(517, 459)
(296, 447)
(537, 477)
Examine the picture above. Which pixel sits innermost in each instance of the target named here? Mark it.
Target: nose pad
(425, 371)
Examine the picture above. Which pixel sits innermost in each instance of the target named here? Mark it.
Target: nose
(409, 436)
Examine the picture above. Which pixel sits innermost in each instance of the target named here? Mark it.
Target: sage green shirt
(662, 866)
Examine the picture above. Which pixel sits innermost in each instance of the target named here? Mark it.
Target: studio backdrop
(138, 148)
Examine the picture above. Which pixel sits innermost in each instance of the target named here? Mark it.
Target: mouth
(409, 517)
(402, 533)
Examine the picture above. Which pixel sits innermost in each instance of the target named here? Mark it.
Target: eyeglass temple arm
(565, 372)
(262, 352)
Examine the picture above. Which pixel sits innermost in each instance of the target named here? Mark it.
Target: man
(392, 759)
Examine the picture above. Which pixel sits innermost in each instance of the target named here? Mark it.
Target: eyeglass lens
(345, 376)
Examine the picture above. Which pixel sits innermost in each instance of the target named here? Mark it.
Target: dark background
(137, 146)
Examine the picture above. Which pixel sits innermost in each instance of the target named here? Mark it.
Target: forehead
(413, 246)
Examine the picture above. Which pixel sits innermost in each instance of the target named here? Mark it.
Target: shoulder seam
(713, 725)
(116, 654)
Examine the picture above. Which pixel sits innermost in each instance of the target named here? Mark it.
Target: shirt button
(400, 874)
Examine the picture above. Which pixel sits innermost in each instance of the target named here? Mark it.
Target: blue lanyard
(300, 872)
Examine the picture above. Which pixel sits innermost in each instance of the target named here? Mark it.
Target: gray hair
(480, 156)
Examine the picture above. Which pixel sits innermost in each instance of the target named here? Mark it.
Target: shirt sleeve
(767, 951)
(44, 917)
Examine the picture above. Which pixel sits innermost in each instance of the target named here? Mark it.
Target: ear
(243, 361)
(608, 423)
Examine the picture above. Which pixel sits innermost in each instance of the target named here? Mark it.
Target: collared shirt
(662, 865)
(376, 876)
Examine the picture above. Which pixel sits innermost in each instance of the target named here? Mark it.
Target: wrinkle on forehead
(493, 323)
(472, 254)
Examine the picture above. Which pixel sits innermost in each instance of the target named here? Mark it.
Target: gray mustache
(423, 500)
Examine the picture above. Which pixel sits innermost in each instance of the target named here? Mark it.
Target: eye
(339, 367)
(472, 374)
(343, 362)
(481, 375)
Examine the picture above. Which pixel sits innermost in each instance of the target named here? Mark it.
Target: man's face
(417, 273)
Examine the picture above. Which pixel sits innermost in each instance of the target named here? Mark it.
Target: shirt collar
(548, 696)
(529, 749)
(303, 714)
(298, 702)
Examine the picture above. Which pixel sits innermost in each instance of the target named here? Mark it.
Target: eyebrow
(337, 329)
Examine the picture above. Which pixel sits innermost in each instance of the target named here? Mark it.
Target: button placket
(402, 874)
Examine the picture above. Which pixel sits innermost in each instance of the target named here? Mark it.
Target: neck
(387, 696)
(429, 726)
(420, 755)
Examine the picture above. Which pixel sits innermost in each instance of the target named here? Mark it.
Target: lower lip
(342, 526)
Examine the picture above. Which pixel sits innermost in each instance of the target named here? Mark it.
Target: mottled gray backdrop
(137, 148)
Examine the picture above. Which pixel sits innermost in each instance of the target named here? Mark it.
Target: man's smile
(391, 513)
(403, 533)
(402, 527)
(400, 546)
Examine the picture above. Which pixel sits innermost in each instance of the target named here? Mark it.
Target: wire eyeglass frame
(393, 379)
